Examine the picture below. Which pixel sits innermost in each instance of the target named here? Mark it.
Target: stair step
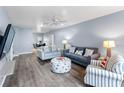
(7, 69)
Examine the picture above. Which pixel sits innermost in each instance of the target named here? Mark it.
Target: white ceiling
(31, 16)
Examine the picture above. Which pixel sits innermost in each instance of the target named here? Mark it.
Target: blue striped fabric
(97, 76)
(116, 64)
(95, 62)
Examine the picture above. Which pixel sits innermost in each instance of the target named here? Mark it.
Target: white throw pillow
(88, 52)
(71, 49)
(79, 52)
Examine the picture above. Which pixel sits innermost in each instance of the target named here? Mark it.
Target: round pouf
(60, 64)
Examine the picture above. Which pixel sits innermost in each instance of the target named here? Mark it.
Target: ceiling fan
(54, 21)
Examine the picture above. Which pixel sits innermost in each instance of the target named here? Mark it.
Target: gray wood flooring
(30, 72)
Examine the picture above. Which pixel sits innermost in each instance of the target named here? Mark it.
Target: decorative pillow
(88, 52)
(116, 64)
(71, 49)
(79, 52)
(103, 63)
(76, 52)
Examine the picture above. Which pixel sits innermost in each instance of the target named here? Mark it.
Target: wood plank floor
(29, 72)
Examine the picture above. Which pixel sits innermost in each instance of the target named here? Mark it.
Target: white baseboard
(15, 55)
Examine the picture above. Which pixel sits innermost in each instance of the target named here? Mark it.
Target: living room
(64, 46)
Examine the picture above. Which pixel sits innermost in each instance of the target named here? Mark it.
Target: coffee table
(60, 65)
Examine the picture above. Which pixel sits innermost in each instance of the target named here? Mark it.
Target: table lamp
(108, 44)
(64, 42)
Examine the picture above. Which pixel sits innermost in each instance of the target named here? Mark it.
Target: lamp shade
(108, 43)
(64, 41)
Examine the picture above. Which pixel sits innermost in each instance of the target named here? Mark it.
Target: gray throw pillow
(72, 49)
(88, 52)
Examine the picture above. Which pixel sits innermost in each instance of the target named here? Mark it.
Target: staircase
(5, 70)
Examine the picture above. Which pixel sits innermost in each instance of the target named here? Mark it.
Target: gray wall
(36, 36)
(4, 21)
(23, 41)
(93, 32)
(23, 38)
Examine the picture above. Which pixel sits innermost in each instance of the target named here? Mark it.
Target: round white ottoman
(60, 64)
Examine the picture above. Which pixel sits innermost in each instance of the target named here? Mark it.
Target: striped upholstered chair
(111, 76)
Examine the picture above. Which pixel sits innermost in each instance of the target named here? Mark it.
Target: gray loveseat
(80, 59)
(45, 55)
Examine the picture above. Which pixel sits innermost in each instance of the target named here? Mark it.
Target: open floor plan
(61, 46)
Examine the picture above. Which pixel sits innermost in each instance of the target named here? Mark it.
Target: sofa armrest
(40, 53)
(94, 70)
(95, 62)
(65, 51)
(95, 56)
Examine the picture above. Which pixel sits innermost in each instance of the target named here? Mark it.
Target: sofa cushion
(70, 55)
(77, 57)
(47, 49)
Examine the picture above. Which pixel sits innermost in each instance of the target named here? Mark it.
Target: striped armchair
(111, 76)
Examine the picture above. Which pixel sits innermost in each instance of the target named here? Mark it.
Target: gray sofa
(43, 55)
(80, 59)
